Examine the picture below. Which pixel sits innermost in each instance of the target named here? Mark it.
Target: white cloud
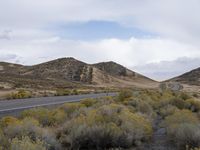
(176, 22)
(131, 52)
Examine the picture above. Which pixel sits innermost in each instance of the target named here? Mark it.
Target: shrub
(187, 134)
(168, 110)
(125, 94)
(6, 121)
(62, 92)
(75, 92)
(4, 143)
(27, 127)
(70, 108)
(30, 127)
(193, 105)
(183, 128)
(88, 102)
(109, 126)
(19, 95)
(40, 114)
(27, 144)
(181, 116)
(179, 103)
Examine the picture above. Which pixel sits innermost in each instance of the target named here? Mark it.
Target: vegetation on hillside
(125, 121)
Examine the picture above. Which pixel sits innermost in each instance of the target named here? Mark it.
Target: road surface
(14, 107)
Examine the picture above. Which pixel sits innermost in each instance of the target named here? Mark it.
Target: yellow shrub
(19, 95)
(88, 102)
(6, 121)
(27, 144)
(69, 108)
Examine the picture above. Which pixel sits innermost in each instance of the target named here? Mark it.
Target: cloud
(178, 19)
(5, 34)
(129, 52)
(174, 22)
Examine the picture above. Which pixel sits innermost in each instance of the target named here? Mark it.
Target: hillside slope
(190, 78)
(69, 72)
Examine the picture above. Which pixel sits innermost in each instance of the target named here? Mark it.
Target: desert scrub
(109, 126)
(193, 104)
(19, 95)
(125, 94)
(62, 92)
(27, 144)
(6, 121)
(167, 110)
(88, 102)
(183, 128)
(45, 116)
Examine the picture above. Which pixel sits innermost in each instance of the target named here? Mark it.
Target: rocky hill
(66, 72)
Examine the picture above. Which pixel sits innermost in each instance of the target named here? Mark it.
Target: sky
(159, 39)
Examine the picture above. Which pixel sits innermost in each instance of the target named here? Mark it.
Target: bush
(179, 103)
(187, 134)
(45, 116)
(193, 105)
(6, 121)
(181, 116)
(4, 143)
(19, 95)
(88, 102)
(30, 127)
(125, 94)
(107, 127)
(27, 127)
(183, 128)
(70, 108)
(62, 92)
(168, 110)
(27, 144)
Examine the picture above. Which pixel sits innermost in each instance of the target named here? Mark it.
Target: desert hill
(189, 78)
(69, 72)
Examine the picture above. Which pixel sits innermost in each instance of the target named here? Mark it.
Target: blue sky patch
(94, 30)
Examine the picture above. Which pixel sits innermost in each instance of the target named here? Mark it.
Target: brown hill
(69, 72)
(190, 78)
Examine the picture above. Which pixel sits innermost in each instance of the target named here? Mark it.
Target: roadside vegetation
(128, 120)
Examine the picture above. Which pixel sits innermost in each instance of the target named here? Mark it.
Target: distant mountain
(190, 78)
(69, 72)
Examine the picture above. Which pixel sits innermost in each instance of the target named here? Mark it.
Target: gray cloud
(5, 34)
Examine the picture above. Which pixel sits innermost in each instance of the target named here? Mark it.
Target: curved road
(13, 107)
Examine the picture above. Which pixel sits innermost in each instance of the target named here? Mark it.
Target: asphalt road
(14, 107)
